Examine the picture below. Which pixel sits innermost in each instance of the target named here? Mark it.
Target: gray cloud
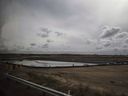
(126, 41)
(45, 45)
(109, 32)
(33, 44)
(58, 33)
(67, 25)
(49, 41)
(99, 48)
(43, 35)
(121, 35)
(125, 46)
(88, 41)
(112, 41)
(44, 32)
(107, 44)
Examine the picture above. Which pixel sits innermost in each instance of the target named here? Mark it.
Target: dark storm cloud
(4, 15)
(2, 19)
(2, 22)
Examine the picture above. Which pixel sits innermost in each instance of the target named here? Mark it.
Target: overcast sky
(77, 26)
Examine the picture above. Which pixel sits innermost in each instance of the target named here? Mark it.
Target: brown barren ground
(103, 80)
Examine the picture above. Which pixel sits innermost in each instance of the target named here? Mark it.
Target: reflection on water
(41, 63)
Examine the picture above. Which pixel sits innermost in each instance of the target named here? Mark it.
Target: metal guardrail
(37, 86)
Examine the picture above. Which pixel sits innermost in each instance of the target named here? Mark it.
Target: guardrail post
(69, 92)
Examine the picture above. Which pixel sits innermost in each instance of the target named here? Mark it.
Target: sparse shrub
(84, 90)
(76, 90)
(46, 80)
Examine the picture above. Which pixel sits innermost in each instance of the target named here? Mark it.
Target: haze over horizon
(76, 26)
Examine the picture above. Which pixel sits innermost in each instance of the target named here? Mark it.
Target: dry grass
(87, 81)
